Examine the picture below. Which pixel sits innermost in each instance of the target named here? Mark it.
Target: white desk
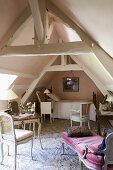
(62, 109)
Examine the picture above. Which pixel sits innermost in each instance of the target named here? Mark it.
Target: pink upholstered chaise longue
(90, 160)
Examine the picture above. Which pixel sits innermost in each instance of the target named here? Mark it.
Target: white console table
(62, 109)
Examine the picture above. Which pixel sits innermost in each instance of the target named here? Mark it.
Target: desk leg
(39, 128)
(39, 131)
(1, 151)
(44, 116)
(34, 129)
(24, 126)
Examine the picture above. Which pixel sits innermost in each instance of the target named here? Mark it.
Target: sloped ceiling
(9, 13)
(93, 17)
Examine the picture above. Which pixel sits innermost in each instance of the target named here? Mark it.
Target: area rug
(47, 159)
(50, 157)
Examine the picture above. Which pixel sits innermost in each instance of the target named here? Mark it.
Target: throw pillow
(79, 131)
(104, 107)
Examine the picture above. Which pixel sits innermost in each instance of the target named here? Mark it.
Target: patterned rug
(47, 159)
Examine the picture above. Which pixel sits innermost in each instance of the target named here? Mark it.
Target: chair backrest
(84, 109)
(45, 107)
(41, 96)
(109, 149)
(14, 107)
(7, 126)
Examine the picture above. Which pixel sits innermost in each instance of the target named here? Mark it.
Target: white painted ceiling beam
(15, 26)
(68, 67)
(43, 13)
(104, 58)
(5, 71)
(68, 48)
(48, 29)
(34, 5)
(63, 60)
(36, 81)
(97, 82)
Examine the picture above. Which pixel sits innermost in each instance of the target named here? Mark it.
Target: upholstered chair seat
(9, 135)
(81, 116)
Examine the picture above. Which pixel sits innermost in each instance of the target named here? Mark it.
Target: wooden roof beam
(103, 57)
(34, 5)
(15, 26)
(68, 48)
(68, 67)
(97, 82)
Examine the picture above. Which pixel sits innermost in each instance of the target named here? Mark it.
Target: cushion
(98, 160)
(79, 131)
(104, 107)
(22, 134)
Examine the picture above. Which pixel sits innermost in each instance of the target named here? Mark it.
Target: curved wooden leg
(34, 129)
(71, 123)
(50, 118)
(32, 149)
(15, 154)
(80, 123)
(8, 149)
(2, 154)
(39, 131)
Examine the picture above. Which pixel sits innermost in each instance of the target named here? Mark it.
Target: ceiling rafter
(43, 11)
(63, 60)
(15, 26)
(48, 28)
(68, 67)
(103, 57)
(97, 82)
(68, 48)
(39, 27)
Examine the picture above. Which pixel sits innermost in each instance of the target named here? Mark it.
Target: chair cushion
(22, 134)
(79, 131)
(79, 143)
(104, 107)
(75, 117)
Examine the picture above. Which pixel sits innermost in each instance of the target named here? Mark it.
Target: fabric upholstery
(79, 143)
(22, 134)
(79, 131)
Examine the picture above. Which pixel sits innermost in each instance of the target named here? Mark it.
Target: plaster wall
(86, 86)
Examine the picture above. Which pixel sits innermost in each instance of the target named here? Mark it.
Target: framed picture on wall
(71, 84)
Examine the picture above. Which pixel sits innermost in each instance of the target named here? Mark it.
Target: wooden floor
(59, 125)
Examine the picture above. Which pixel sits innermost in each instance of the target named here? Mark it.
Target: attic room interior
(56, 84)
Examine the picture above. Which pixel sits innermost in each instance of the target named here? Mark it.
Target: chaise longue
(91, 160)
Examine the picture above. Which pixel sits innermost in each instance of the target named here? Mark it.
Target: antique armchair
(9, 135)
(82, 115)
